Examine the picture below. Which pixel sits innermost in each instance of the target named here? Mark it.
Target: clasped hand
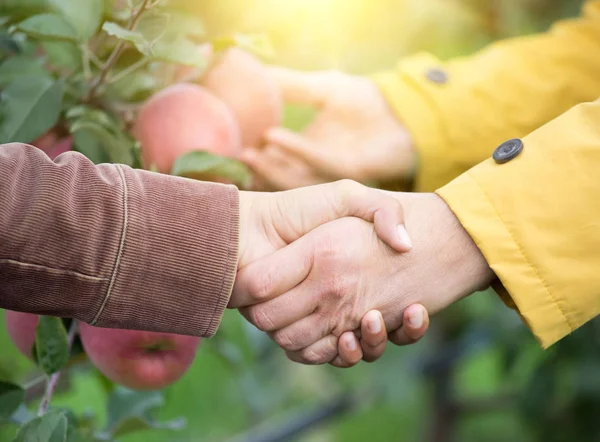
(321, 266)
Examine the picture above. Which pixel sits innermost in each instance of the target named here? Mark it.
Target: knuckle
(312, 357)
(345, 319)
(260, 318)
(260, 286)
(347, 187)
(283, 340)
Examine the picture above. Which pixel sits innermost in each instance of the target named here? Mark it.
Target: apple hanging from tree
(183, 118)
(53, 144)
(21, 329)
(139, 360)
(244, 84)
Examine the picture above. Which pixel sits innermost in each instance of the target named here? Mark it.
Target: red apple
(136, 359)
(183, 118)
(21, 329)
(242, 81)
(53, 144)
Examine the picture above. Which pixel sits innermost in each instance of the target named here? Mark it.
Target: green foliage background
(478, 375)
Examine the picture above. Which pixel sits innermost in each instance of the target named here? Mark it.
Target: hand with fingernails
(355, 135)
(272, 221)
(314, 294)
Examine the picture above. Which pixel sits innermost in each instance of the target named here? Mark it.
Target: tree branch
(116, 53)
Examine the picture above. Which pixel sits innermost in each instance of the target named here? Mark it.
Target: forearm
(114, 246)
(458, 112)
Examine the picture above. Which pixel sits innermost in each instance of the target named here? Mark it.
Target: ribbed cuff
(177, 261)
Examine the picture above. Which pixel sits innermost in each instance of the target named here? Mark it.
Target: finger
(374, 336)
(305, 149)
(415, 323)
(349, 352)
(303, 333)
(383, 210)
(310, 88)
(278, 170)
(273, 275)
(321, 352)
(284, 310)
(270, 172)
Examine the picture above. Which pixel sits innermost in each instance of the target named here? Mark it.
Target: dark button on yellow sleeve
(508, 150)
(437, 75)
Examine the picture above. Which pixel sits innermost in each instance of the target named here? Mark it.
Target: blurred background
(478, 376)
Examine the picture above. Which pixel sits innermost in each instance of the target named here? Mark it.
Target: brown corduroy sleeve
(113, 246)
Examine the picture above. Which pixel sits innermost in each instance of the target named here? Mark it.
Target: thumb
(311, 88)
(301, 210)
(383, 210)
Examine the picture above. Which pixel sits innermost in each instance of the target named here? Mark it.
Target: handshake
(328, 270)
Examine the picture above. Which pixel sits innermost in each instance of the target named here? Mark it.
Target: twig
(116, 53)
(51, 385)
(34, 382)
(87, 70)
(125, 72)
(94, 59)
(300, 423)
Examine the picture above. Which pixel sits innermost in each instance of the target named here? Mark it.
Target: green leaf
(48, 27)
(29, 106)
(101, 131)
(136, 86)
(86, 143)
(124, 403)
(52, 345)
(84, 15)
(11, 396)
(22, 8)
(14, 67)
(121, 33)
(128, 412)
(186, 24)
(161, 37)
(258, 44)
(155, 24)
(50, 427)
(8, 45)
(207, 166)
(21, 415)
(63, 55)
(136, 423)
(180, 51)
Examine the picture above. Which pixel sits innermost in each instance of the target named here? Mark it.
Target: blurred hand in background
(354, 135)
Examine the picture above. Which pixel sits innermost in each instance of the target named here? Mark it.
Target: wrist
(246, 200)
(451, 265)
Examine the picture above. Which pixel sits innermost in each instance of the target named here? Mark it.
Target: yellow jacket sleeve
(536, 219)
(459, 111)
